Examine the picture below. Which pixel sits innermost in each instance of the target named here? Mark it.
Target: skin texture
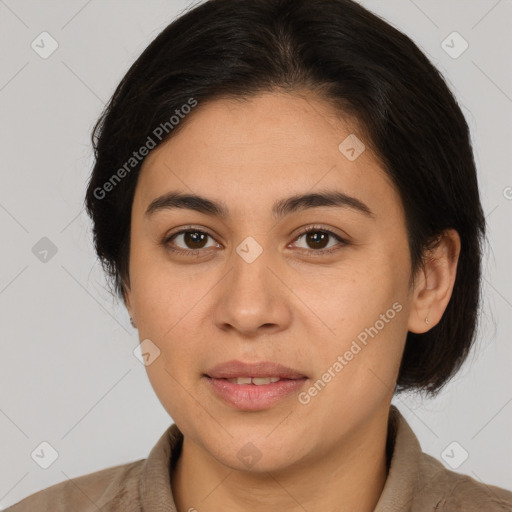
(288, 306)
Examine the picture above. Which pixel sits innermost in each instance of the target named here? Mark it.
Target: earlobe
(434, 283)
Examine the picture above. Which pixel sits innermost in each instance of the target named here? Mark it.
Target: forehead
(263, 147)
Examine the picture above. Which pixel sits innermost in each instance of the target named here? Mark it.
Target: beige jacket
(416, 482)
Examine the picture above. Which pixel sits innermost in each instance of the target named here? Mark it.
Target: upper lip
(233, 369)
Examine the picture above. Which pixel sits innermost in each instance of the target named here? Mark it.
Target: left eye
(318, 239)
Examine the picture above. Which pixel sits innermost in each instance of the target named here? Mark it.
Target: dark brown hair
(366, 69)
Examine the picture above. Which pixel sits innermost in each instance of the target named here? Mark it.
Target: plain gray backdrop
(68, 374)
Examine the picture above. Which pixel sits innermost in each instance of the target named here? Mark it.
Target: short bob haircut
(368, 71)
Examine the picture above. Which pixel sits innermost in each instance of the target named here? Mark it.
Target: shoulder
(419, 482)
(452, 491)
(111, 489)
(140, 485)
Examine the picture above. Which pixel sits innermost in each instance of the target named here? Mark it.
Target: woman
(285, 197)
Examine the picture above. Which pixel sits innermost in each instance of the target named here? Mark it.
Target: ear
(434, 283)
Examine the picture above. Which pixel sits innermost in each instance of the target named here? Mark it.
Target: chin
(256, 456)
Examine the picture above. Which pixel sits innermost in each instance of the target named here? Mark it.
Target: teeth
(258, 381)
(264, 380)
(241, 380)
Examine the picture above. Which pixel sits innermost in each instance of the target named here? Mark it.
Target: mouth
(253, 386)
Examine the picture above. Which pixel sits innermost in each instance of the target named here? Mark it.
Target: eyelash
(311, 229)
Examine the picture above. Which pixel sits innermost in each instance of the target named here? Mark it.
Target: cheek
(348, 299)
(167, 308)
(173, 390)
(366, 312)
(162, 293)
(357, 369)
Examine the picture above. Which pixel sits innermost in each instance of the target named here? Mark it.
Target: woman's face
(249, 286)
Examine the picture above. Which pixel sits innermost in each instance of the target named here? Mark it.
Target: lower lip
(251, 397)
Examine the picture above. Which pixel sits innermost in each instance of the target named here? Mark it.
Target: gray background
(68, 375)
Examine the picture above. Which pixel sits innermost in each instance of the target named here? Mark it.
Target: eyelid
(318, 227)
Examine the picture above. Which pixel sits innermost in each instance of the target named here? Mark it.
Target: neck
(349, 477)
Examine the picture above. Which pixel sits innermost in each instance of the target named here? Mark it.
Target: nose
(252, 299)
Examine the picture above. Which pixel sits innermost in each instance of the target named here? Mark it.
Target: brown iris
(194, 239)
(318, 239)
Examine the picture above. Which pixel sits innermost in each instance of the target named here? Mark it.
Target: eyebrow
(281, 208)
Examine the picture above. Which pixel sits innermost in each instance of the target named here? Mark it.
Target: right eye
(193, 241)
